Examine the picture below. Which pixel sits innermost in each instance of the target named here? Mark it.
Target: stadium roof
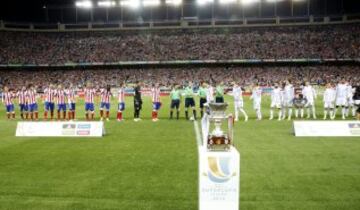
(65, 11)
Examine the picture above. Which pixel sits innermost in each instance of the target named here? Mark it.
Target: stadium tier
(167, 77)
(292, 42)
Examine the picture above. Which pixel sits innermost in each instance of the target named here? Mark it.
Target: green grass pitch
(153, 166)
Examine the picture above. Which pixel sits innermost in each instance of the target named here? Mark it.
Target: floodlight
(174, 2)
(151, 3)
(249, 2)
(84, 4)
(204, 2)
(130, 3)
(106, 3)
(227, 1)
(273, 1)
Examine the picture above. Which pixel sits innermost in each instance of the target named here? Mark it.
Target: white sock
(290, 113)
(236, 114)
(280, 113)
(343, 111)
(243, 112)
(313, 112)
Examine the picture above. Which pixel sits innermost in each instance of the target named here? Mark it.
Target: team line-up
(284, 98)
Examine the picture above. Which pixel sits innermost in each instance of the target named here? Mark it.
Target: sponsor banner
(60, 129)
(327, 128)
(219, 180)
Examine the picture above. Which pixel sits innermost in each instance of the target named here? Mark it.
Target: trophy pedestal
(219, 179)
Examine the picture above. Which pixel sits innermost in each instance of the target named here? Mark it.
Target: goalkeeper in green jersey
(189, 101)
(202, 95)
(175, 96)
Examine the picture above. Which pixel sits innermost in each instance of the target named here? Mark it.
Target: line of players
(64, 101)
(284, 98)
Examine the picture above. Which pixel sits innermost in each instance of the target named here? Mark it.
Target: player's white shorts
(309, 103)
(239, 104)
(257, 104)
(288, 103)
(341, 102)
(275, 104)
(351, 102)
(328, 105)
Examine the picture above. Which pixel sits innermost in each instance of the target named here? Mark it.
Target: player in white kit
(329, 101)
(256, 97)
(350, 101)
(289, 94)
(310, 95)
(238, 101)
(341, 98)
(276, 101)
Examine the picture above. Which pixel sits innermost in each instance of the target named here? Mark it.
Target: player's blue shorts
(10, 108)
(72, 106)
(33, 107)
(121, 106)
(23, 107)
(49, 106)
(156, 105)
(62, 107)
(89, 107)
(105, 106)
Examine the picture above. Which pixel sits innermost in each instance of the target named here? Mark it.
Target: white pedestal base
(219, 180)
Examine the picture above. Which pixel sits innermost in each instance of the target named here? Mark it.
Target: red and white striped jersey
(70, 93)
(7, 98)
(30, 97)
(21, 95)
(60, 96)
(121, 96)
(49, 95)
(105, 96)
(155, 92)
(89, 95)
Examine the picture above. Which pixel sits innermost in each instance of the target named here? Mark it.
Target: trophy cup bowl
(218, 140)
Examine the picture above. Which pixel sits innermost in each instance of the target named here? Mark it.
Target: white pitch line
(197, 133)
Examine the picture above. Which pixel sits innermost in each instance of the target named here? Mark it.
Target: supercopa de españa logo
(219, 169)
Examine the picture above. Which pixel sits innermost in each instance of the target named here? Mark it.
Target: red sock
(87, 116)
(73, 115)
(36, 115)
(64, 115)
(45, 115)
(27, 115)
(69, 115)
(58, 115)
(153, 115)
(101, 113)
(156, 115)
(107, 114)
(92, 116)
(52, 115)
(32, 116)
(119, 115)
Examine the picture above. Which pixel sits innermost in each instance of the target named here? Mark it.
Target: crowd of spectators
(335, 41)
(244, 76)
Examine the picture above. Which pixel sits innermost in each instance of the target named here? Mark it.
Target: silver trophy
(220, 137)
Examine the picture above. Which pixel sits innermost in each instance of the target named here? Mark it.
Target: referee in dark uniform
(137, 102)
